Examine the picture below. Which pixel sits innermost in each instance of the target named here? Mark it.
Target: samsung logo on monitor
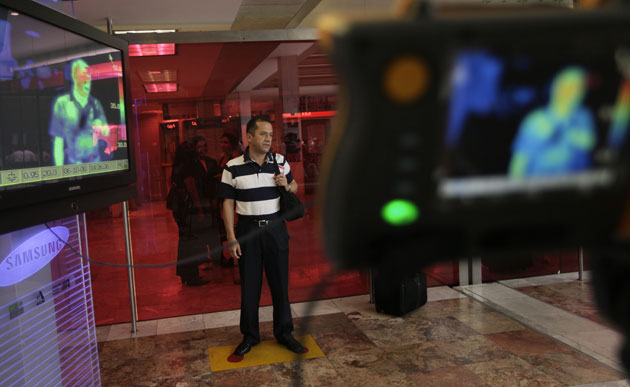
(32, 255)
(74, 188)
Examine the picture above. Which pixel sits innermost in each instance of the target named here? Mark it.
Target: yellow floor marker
(267, 352)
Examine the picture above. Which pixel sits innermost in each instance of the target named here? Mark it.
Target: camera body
(477, 136)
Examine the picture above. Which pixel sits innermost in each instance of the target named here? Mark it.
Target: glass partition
(215, 88)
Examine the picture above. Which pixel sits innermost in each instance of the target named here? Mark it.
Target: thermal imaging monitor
(63, 125)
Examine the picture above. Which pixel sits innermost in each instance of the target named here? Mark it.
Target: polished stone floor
(540, 331)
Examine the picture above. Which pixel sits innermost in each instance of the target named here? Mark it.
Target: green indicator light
(400, 212)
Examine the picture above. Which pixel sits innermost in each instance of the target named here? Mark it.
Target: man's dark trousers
(264, 247)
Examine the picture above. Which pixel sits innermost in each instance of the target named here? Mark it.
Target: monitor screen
(62, 107)
(534, 122)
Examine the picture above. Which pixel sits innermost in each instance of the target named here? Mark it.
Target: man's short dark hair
(252, 124)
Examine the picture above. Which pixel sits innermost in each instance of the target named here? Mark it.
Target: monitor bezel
(62, 190)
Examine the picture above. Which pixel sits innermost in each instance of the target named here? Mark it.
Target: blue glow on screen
(475, 88)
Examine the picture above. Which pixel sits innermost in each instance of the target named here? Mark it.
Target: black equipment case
(398, 294)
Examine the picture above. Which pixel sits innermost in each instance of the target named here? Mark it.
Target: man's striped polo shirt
(253, 187)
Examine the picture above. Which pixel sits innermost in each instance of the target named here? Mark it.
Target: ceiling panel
(189, 15)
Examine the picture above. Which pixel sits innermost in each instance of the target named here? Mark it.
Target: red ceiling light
(160, 87)
(152, 49)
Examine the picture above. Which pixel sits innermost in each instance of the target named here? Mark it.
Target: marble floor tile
(181, 363)
(443, 329)
(572, 368)
(358, 307)
(447, 308)
(603, 341)
(419, 358)
(527, 343)
(509, 372)
(265, 313)
(221, 319)
(616, 383)
(323, 324)
(125, 362)
(544, 279)
(607, 356)
(187, 381)
(102, 333)
(395, 337)
(131, 372)
(182, 342)
(180, 324)
(448, 342)
(472, 349)
(391, 332)
(575, 297)
(146, 328)
(263, 376)
(489, 322)
(315, 308)
(349, 340)
(369, 368)
(219, 337)
(556, 321)
(439, 293)
(119, 331)
(312, 372)
(455, 376)
(494, 292)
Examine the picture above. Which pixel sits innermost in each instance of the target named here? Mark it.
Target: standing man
(250, 185)
(76, 118)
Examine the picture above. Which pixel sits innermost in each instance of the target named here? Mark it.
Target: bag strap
(275, 163)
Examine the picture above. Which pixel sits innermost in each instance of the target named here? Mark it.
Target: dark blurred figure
(231, 149)
(205, 170)
(188, 214)
(292, 143)
(102, 146)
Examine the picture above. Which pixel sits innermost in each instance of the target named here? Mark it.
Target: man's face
(201, 148)
(82, 79)
(260, 141)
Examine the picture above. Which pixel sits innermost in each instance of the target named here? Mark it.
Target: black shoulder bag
(291, 208)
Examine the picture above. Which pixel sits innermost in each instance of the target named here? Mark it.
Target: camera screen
(526, 123)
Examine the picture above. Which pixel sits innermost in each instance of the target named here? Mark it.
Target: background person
(204, 172)
(188, 215)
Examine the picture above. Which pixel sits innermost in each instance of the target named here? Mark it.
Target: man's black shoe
(244, 347)
(292, 345)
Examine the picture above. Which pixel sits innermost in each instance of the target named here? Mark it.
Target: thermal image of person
(76, 118)
(559, 137)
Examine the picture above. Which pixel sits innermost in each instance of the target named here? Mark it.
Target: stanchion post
(581, 264)
(371, 279)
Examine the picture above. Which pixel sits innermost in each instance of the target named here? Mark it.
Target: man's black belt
(258, 222)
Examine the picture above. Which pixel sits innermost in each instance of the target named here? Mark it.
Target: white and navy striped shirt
(253, 187)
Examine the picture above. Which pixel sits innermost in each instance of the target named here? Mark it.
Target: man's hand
(281, 181)
(235, 248)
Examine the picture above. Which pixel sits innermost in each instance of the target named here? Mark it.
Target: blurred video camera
(477, 135)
